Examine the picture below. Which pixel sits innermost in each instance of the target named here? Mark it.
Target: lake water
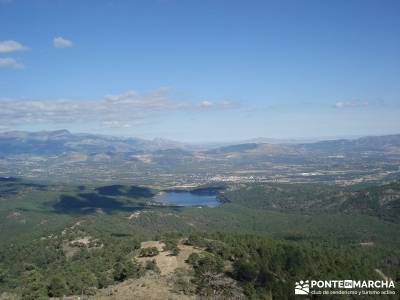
(187, 199)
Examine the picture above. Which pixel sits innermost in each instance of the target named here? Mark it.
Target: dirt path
(148, 287)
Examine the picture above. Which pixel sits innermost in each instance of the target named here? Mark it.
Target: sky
(199, 71)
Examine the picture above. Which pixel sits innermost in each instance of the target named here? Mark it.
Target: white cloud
(60, 42)
(8, 62)
(11, 46)
(229, 104)
(349, 104)
(125, 110)
(213, 105)
(206, 104)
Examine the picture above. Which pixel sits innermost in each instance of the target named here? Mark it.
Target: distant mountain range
(62, 141)
(61, 155)
(389, 144)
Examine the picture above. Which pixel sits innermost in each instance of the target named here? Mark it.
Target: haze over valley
(65, 157)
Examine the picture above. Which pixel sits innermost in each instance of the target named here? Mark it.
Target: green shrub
(57, 287)
(149, 252)
(152, 265)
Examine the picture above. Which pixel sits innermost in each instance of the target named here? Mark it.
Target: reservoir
(187, 198)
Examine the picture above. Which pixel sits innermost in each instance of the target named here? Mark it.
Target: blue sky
(201, 70)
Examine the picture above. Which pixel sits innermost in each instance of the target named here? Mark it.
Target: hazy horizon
(254, 139)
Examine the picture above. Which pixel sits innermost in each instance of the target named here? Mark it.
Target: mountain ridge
(58, 141)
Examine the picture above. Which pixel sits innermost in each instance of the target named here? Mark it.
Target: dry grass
(165, 261)
(152, 286)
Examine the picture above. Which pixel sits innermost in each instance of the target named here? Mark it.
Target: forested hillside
(381, 201)
(70, 240)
